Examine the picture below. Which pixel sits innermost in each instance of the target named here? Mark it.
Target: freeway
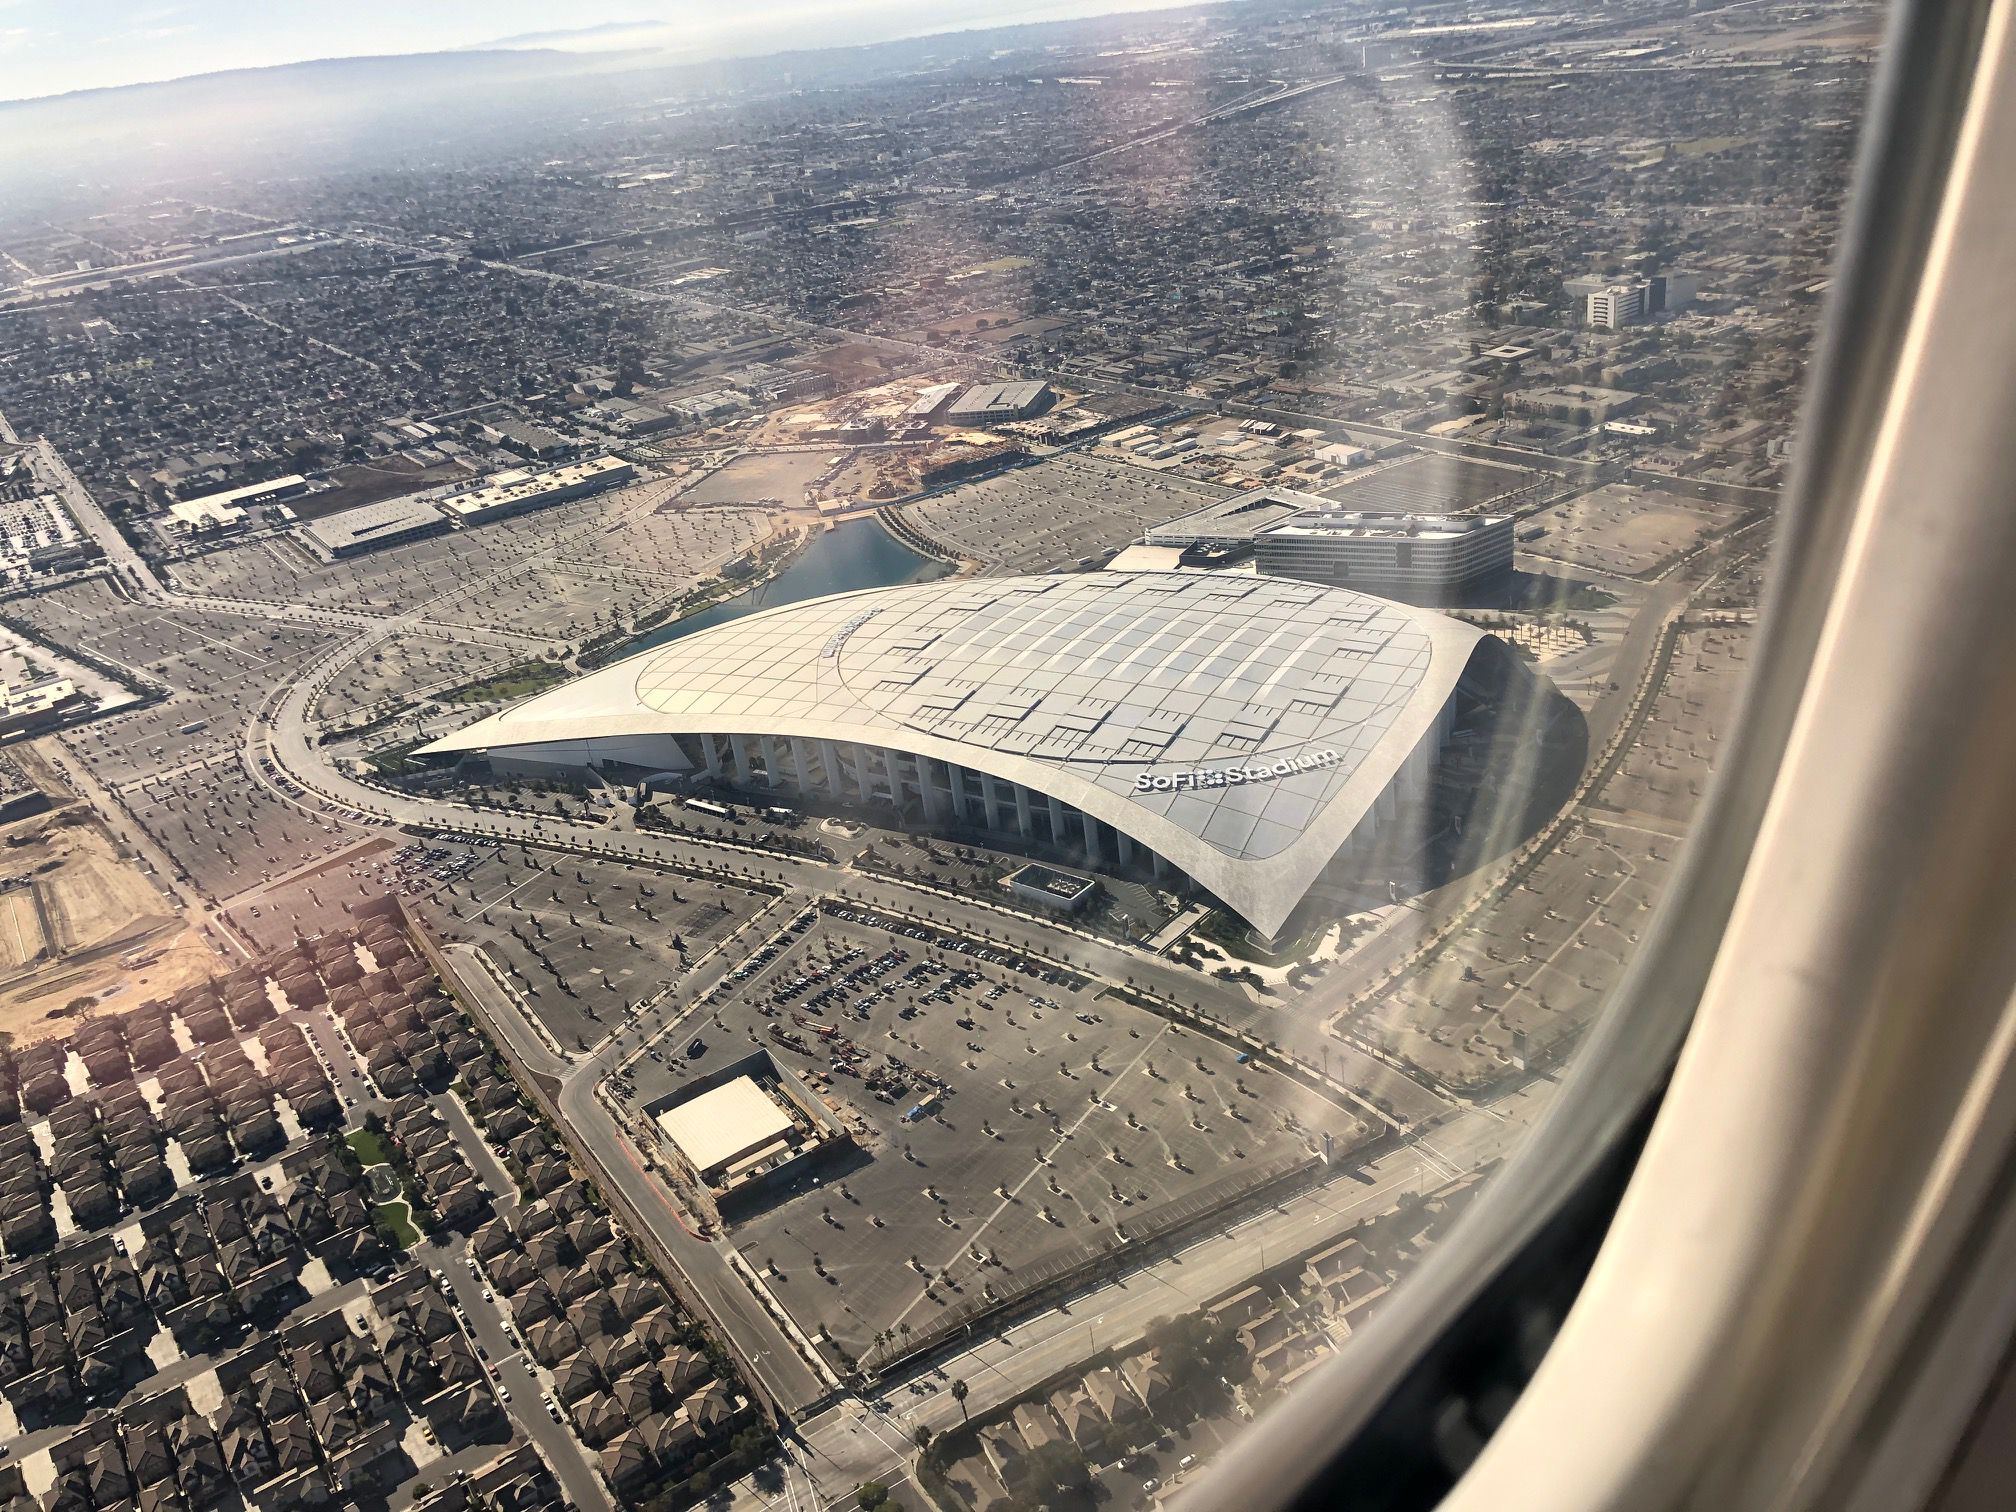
(1250, 105)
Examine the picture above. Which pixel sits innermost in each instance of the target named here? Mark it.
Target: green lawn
(512, 682)
(370, 1147)
(397, 1217)
(391, 761)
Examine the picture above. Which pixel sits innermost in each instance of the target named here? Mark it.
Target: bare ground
(101, 911)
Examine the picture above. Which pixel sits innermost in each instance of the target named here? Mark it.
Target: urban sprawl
(869, 778)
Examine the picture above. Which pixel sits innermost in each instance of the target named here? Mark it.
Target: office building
(1619, 305)
(1416, 558)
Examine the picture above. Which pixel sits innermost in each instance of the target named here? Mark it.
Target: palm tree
(959, 1390)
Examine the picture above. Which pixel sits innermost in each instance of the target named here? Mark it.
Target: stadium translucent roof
(1222, 720)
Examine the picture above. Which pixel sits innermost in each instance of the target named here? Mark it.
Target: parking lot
(402, 667)
(1000, 1117)
(556, 572)
(1054, 514)
(581, 940)
(316, 899)
(219, 665)
(1624, 529)
(228, 833)
(1667, 767)
(1530, 971)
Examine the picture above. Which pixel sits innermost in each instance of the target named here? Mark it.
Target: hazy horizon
(50, 49)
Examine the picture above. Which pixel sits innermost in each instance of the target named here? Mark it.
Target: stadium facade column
(1122, 845)
(936, 804)
(1414, 775)
(997, 802)
(953, 779)
(1092, 850)
(1024, 825)
(1060, 830)
(857, 759)
(711, 752)
(771, 762)
(829, 763)
(801, 765)
(738, 748)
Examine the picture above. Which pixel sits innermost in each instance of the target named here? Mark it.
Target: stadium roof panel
(1134, 697)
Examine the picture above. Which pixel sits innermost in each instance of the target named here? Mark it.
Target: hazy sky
(51, 46)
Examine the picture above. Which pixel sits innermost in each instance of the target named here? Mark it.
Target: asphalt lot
(219, 667)
(1064, 1113)
(1664, 774)
(1049, 516)
(228, 834)
(583, 940)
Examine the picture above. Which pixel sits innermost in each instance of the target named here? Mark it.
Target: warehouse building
(516, 491)
(999, 403)
(744, 1130)
(371, 527)
(220, 513)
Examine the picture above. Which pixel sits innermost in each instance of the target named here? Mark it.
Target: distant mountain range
(280, 81)
(459, 104)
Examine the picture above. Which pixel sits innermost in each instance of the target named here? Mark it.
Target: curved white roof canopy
(1080, 686)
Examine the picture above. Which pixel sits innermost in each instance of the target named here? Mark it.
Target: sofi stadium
(1246, 733)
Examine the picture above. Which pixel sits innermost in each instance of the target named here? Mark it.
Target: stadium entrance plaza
(1060, 1096)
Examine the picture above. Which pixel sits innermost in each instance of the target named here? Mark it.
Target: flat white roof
(719, 1126)
(196, 511)
(249, 491)
(515, 485)
(1233, 519)
(368, 522)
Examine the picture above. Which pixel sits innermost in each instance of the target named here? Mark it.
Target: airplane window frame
(1395, 1420)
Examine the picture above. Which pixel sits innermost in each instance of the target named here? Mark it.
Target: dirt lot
(852, 365)
(779, 476)
(368, 485)
(875, 477)
(100, 909)
(1627, 530)
(20, 929)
